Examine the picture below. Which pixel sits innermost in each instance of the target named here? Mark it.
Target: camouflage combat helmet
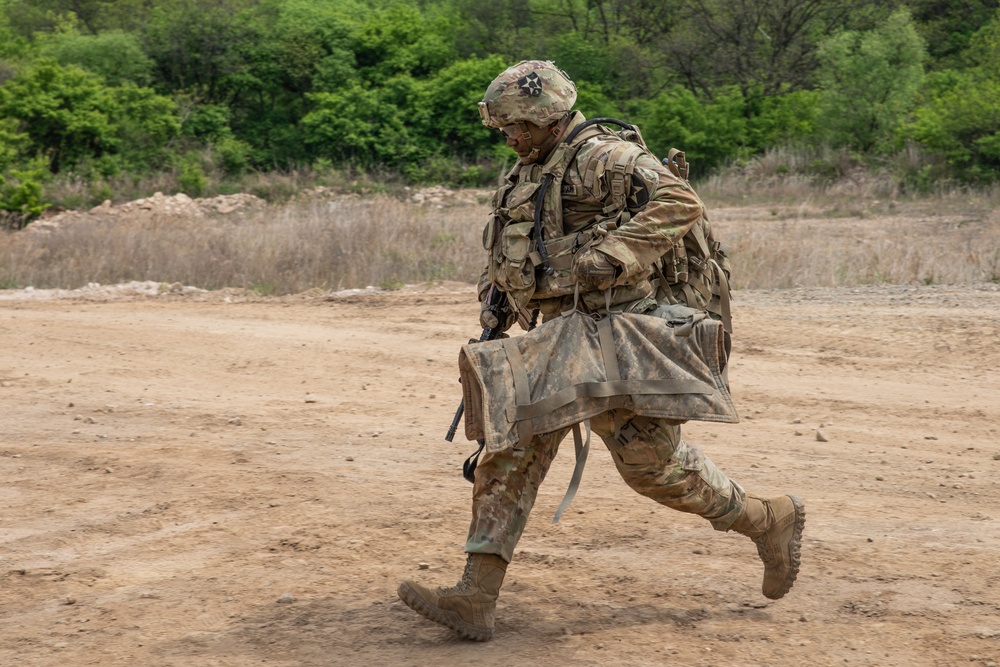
(533, 90)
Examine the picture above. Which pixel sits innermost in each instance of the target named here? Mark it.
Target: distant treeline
(100, 92)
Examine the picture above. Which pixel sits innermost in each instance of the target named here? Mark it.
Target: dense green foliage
(207, 90)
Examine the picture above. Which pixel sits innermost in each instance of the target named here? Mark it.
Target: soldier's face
(515, 138)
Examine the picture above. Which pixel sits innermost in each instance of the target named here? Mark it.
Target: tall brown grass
(347, 242)
(801, 236)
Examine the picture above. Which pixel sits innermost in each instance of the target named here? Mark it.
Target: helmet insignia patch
(530, 85)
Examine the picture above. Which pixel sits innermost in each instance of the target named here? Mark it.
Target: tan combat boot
(775, 526)
(469, 607)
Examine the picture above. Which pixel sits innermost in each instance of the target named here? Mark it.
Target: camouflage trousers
(653, 460)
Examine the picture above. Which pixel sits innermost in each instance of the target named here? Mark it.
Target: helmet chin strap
(537, 150)
(526, 137)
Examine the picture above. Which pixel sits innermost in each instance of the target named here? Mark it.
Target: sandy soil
(206, 479)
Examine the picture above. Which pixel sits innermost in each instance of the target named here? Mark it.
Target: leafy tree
(397, 41)
(116, 56)
(708, 133)
(948, 26)
(496, 27)
(144, 126)
(196, 44)
(870, 80)
(71, 116)
(959, 119)
(766, 47)
(11, 44)
(64, 110)
(446, 112)
(356, 127)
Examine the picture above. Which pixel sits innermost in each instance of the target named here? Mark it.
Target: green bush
(958, 120)
(72, 117)
(234, 155)
(191, 177)
(21, 195)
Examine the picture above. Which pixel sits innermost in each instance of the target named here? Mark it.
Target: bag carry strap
(582, 449)
(469, 466)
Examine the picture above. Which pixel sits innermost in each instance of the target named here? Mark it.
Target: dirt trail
(200, 479)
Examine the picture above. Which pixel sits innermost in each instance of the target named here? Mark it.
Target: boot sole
(795, 549)
(449, 619)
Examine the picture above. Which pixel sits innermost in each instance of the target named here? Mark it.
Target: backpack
(696, 271)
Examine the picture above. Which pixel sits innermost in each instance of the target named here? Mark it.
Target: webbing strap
(582, 449)
(611, 369)
(522, 389)
(724, 299)
(620, 388)
(607, 339)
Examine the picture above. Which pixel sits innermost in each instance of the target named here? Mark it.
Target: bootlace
(762, 549)
(465, 582)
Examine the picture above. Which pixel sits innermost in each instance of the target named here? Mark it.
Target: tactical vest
(694, 271)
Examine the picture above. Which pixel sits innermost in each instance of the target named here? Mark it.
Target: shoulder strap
(558, 169)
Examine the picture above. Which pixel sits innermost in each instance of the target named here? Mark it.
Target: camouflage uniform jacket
(646, 212)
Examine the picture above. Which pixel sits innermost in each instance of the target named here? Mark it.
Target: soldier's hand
(489, 320)
(592, 267)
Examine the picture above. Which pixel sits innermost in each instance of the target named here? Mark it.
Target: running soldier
(619, 231)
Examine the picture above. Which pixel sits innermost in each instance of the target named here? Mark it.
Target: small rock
(349, 458)
(930, 437)
(424, 566)
(310, 398)
(286, 598)
(69, 599)
(996, 457)
(820, 437)
(879, 478)
(236, 421)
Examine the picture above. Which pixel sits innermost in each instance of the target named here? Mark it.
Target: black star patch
(530, 85)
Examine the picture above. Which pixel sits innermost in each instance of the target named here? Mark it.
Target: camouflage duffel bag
(574, 367)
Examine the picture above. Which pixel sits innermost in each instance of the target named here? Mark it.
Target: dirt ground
(205, 479)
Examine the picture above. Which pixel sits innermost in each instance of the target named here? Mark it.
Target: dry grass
(846, 252)
(349, 242)
(805, 237)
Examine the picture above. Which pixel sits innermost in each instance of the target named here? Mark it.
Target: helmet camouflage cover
(532, 90)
